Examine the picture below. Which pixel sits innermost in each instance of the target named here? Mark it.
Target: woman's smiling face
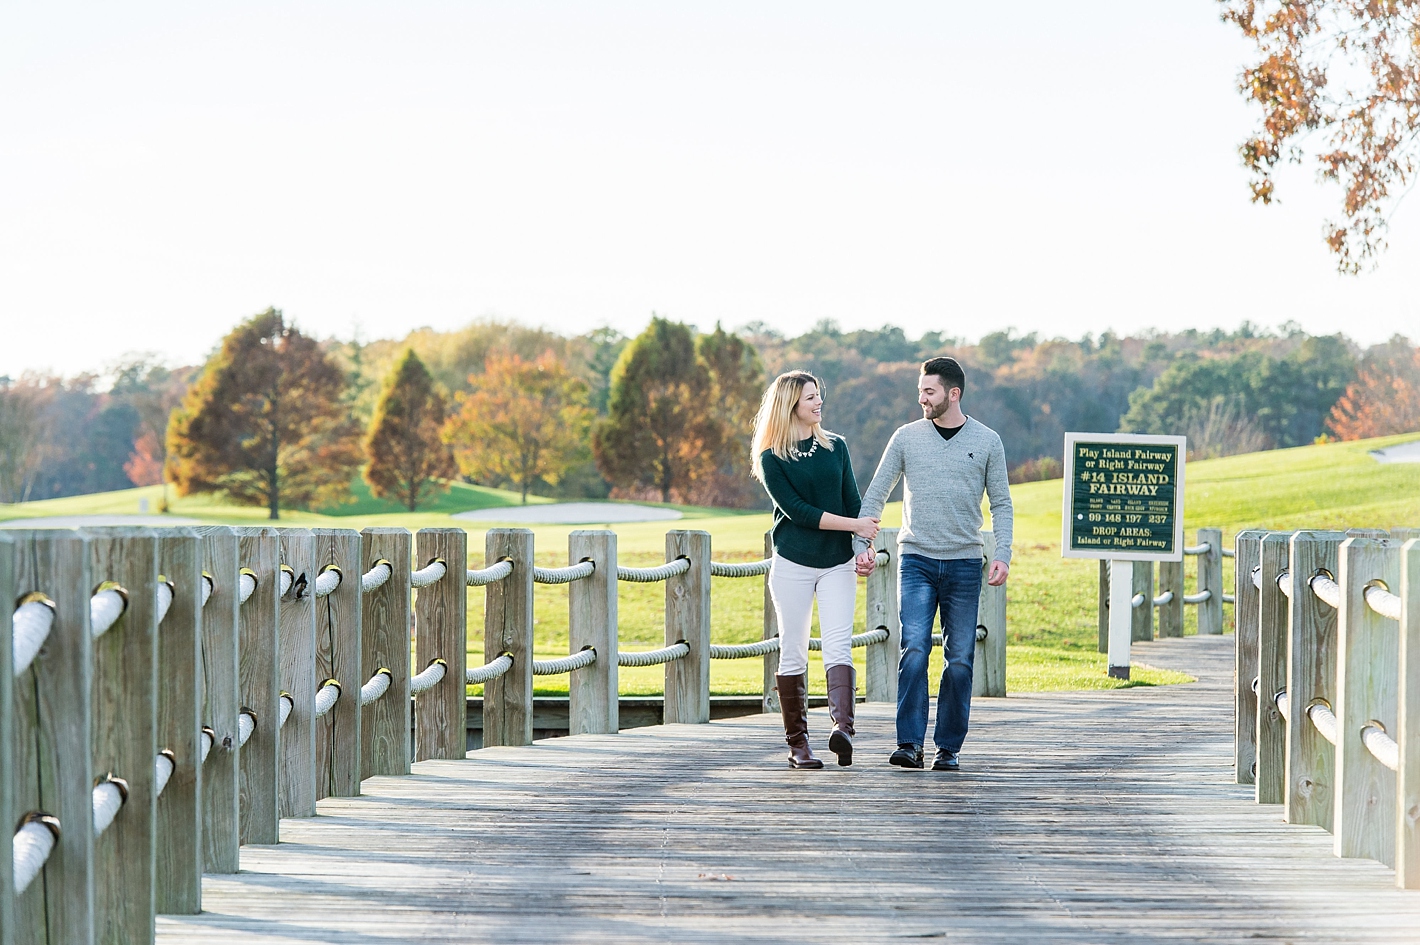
(809, 409)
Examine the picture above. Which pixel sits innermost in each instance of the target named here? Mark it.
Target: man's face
(934, 397)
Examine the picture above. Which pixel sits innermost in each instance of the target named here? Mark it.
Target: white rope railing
(1284, 705)
(1137, 600)
(1284, 583)
(163, 767)
(208, 586)
(165, 597)
(246, 725)
(575, 572)
(286, 575)
(1326, 590)
(1202, 549)
(328, 580)
(1323, 719)
(856, 641)
(1257, 577)
(30, 626)
(108, 799)
(287, 705)
(376, 577)
(489, 671)
(744, 651)
(209, 738)
(246, 585)
(567, 664)
(432, 675)
(653, 657)
(1229, 599)
(746, 569)
(378, 685)
(429, 574)
(1228, 553)
(478, 577)
(1165, 598)
(1382, 601)
(105, 608)
(326, 697)
(981, 632)
(1381, 746)
(650, 575)
(34, 842)
(1198, 598)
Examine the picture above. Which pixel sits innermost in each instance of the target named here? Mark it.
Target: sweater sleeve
(998, 490)
(884, 480)
(852, 501)
(782, 491)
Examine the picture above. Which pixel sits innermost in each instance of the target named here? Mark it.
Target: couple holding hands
(823, 534)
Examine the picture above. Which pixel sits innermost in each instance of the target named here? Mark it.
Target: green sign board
(1123, 497)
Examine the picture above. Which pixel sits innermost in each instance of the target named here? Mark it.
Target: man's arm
(998, 490)
(889, 472)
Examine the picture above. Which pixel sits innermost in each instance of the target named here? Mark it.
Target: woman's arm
(782, 491)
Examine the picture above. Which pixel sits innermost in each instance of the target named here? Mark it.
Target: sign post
(1123, 502)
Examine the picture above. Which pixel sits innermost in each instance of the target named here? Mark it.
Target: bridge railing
(171, 694)
(1170, 601)
(1328, 685)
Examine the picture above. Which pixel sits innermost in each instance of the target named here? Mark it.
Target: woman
(807, 473)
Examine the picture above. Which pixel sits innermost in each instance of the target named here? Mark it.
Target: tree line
(278, 419)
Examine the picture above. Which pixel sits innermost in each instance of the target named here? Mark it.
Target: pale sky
(170, 168)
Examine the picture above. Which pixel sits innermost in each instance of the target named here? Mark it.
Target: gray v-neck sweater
(945, 480)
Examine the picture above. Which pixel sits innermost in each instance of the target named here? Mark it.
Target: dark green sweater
(802, 490)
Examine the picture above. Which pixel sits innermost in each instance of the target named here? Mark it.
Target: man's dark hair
(948, 370)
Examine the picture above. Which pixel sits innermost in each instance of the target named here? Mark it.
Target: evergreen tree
(662, 429)
(266, 423)
(408, 461)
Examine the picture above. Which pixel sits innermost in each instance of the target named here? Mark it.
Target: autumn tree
(1385, 396)
(1338, 83)
(738, 378)
(23, 406)
(662, 429)
(153, 391)
(408, 460)
(266, 422)
(521, 421)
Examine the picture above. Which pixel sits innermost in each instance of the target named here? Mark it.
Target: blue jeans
(926, 585)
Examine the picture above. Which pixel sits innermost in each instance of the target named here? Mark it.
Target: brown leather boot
(842, 688)
(794, 705)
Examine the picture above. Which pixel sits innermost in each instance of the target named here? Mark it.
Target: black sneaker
(907, 756)
(945, 761)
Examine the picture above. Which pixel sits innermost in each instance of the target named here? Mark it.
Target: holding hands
(865, 527)
(865, 563)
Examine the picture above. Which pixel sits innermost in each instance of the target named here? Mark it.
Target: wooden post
(881, 682)
(179, 808)
(1210, 578)
(1141, 627)
(1368, 656)
(592, 693)
(1311, 675)
(441, 632)
(1103, 612)
(221, 697)
(338, 655)
(771, 630)
(53, 701)
(1407, 730)
(259, 551)
(297, 648)
(508, 628)
(9, 762)
(1170, 615)
(1271, 776)
(1247, 555)
(384, 642)
(687, 696)
(989, 665)
(1121, 617)
(124, 733)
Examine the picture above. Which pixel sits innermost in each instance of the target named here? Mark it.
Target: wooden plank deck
(1077, 817)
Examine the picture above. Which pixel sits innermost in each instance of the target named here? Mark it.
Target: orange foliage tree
(1385, 396)
(522, 421)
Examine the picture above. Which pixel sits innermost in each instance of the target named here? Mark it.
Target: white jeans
(793, 588)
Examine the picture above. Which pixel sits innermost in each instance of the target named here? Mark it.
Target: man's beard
(932, 413)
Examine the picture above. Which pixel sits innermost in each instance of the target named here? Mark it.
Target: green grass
(1051, 620)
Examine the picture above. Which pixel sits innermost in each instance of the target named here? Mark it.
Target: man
(949, 460)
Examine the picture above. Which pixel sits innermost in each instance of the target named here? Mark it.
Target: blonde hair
(774, 424)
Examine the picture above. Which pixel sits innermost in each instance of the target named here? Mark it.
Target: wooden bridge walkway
(1077, 817)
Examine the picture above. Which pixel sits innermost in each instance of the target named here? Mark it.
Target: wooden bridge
(166, 723)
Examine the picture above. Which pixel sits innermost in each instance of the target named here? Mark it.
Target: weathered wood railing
(1209, 598)
(1328, 685)
(172, 694)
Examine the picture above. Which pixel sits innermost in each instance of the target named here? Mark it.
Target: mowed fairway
(1051, 611)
